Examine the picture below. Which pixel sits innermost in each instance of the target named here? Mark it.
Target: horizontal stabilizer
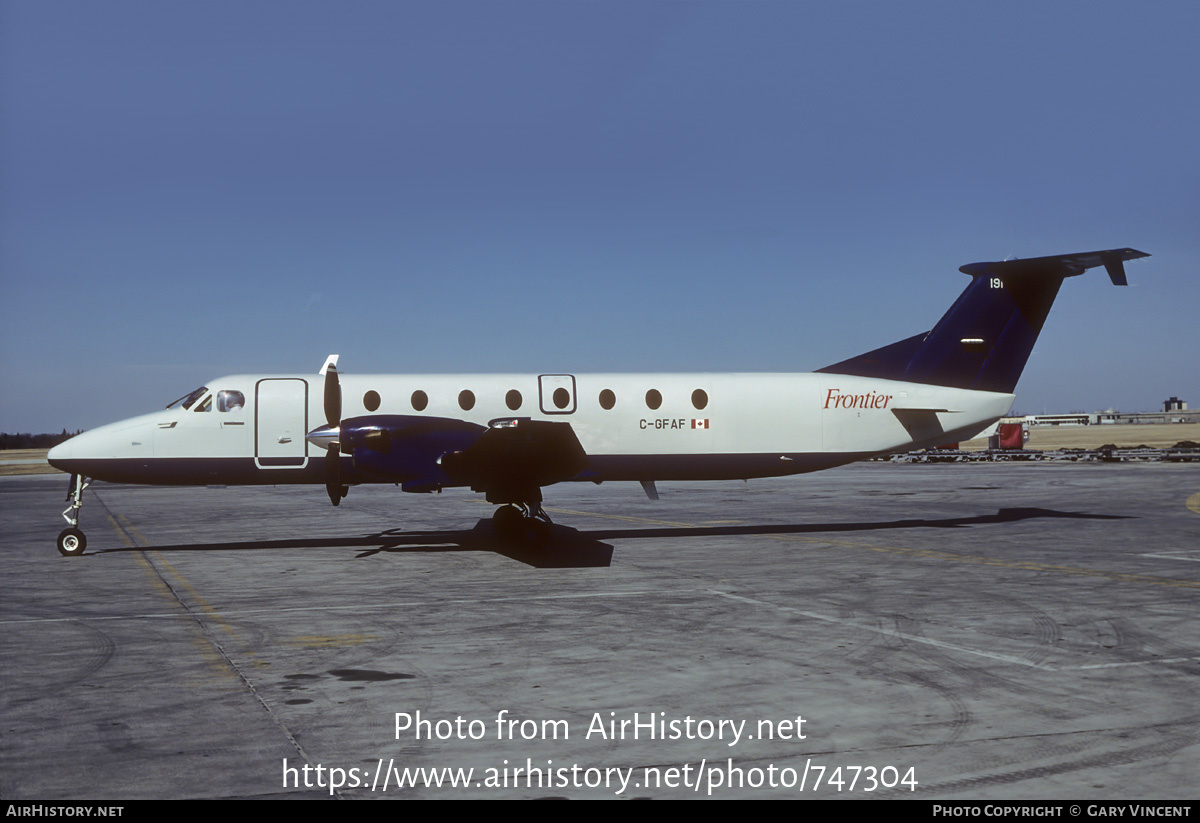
(1060, 265)
(922, 425)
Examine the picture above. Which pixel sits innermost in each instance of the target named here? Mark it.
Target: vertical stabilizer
(985, 339)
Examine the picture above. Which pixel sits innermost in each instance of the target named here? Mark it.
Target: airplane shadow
(1001, 516)
(564, 548)
(568, 548)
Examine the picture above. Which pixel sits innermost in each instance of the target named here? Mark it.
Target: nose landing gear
(72, 541)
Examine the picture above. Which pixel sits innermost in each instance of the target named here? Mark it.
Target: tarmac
(958, 632)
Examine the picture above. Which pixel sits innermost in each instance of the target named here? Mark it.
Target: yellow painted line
(157, 581)
(1193, 502)
(133, 530)
(211, 613)
(212, 661)
(212, 658)
(315, 641)
(625, 517)
(129, 544)
(215, 663)
(200, 602)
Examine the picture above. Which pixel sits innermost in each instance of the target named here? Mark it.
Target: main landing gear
(72, 541)
(523, 523)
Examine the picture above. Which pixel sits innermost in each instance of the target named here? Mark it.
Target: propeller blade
(333, 397)
(333, 476)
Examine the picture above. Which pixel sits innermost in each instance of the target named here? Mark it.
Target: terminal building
(1174, 410)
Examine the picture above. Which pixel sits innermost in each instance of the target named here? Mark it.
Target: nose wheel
(72, 541)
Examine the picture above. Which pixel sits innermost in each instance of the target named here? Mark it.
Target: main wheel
(508, 521)
(71, 542)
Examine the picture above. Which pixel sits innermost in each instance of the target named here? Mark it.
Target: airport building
(1174, 410)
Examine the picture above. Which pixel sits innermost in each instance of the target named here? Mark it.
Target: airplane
(510, 435)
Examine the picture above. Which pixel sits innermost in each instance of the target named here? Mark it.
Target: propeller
(333, 454)
(333, 396)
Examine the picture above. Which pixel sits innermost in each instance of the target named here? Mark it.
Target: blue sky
(196, 189)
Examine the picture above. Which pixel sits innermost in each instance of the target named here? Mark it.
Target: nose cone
(325, 437)
(60, 453)
(73, 455)
(102, 453)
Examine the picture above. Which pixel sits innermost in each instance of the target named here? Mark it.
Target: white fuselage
(631, 426)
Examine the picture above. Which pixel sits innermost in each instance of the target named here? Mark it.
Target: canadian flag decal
(699, 424)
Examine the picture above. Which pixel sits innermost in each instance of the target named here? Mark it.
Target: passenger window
(371, 401)
(513, 399)
(229, 400)
(419, 400)
(561, 397)
(466, 399)
(607, 399)
(653, 398)
(699, 398)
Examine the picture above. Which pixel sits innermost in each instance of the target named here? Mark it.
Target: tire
(71, 542)
(508, 522)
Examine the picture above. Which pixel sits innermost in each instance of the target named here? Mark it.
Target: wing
(515, 457)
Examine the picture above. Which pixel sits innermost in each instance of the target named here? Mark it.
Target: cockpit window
(188, 399)
(205, 405)
(230, 400)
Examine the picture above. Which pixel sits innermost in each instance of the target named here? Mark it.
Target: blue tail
(984, 340)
